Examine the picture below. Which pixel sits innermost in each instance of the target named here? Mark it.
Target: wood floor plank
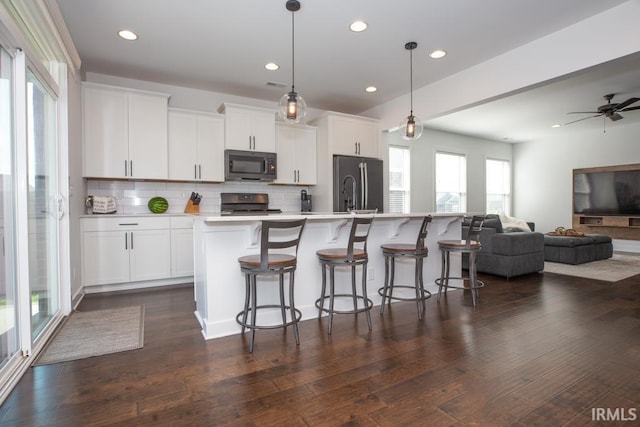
(540, 349)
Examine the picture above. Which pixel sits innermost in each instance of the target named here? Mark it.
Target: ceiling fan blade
(583, 112)
(626, 103)
(615, 117)
(584, 118)
(631, 108)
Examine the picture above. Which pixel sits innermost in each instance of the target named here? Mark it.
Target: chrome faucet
(349, 199)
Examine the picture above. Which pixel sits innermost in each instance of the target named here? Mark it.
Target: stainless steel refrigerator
(357, 183)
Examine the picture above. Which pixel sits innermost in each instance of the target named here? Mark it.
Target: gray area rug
(618, 267)
(94, 333)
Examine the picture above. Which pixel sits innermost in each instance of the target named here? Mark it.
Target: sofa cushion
(517, 243)
(599, 238)
(566, 241)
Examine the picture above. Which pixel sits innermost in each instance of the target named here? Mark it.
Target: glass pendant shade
(292, 107)
(412, 127)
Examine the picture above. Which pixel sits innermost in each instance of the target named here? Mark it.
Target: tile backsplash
(132, 196)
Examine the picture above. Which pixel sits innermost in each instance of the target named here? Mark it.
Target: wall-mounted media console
(606, 200)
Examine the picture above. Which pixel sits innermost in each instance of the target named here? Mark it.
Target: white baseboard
(136, 285)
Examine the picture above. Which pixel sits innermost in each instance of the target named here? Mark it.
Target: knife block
(191, 208)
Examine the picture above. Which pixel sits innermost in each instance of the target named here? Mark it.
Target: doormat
(94, 333)
(614, 269)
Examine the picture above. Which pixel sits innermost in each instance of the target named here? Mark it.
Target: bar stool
(471, 246)
(276, 235)
(350, 257)
(418, 252)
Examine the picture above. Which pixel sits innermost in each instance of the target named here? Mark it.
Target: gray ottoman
(577, 250)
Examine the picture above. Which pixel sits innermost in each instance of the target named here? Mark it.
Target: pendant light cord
(293, 52)
(411, 77)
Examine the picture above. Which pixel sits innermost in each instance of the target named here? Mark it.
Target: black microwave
(249, 165)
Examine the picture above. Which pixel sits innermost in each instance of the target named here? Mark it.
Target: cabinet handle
(126, 243)
(131, 167)
(249, 142)
(254, 142)
(200, 171)
(129, 223)
(294, 175)
(298, 180)
(195, 171)
(125, 168)
(132, 240)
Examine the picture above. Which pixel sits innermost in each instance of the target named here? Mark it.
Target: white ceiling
(222, 46)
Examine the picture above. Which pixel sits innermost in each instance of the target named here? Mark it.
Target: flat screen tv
(614, 192)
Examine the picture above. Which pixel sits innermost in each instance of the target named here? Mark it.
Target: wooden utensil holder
(191, 208)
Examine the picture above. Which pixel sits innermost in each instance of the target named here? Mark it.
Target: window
(399, 179)
(451, 182)
(498, 186)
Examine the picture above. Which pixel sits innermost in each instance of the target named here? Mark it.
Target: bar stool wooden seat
(278, 236)
(471, 246)
(417, 252)
(350, 256)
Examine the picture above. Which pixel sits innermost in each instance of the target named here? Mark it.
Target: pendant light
(412, 125)
(292, 107)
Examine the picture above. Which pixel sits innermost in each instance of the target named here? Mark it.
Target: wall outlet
(371, 274)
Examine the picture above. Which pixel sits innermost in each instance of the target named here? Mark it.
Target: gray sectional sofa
(508, 253)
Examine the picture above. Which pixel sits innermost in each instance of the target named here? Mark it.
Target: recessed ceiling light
(271, 66)
(371, 89)
(128, 35)
(358, 26)
(437, 54)
(556, 126)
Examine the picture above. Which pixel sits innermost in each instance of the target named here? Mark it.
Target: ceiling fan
(610, 109)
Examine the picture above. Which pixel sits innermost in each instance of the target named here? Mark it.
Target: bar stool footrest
(425, 293)
(274, 326)
(479, 283)
(367, 307)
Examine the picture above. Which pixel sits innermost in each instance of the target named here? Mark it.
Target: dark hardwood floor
(541, 349)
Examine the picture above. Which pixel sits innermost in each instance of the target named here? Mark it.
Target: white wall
(423, 152)
(543, 170)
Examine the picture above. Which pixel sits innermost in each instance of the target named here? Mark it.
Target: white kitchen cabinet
(124, 133)
(125, 249)
(181, 246)
(296, 149)
(354, 136)
(196, 146)
(249, 128)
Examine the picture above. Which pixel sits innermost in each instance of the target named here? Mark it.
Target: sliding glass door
(42, 204)
(8, 285)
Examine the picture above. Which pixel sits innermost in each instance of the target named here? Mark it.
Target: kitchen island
(220, 240)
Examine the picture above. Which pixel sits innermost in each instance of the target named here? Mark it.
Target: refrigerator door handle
(366, 187)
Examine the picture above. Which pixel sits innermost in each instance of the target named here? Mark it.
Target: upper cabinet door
(210, 148)
(183, 150)
(249, 128)
(306, 156)
(367, 137)
(148, 136)
(105, 133)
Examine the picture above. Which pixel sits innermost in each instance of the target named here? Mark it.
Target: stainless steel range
(246, 204)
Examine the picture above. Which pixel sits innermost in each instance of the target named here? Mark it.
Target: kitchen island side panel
(220, 241)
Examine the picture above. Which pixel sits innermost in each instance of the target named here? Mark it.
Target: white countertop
(313, 216)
